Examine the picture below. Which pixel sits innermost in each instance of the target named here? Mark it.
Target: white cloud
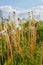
(38, 11)
(8, 9)
(42, 0)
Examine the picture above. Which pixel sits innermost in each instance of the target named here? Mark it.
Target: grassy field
(22, 45)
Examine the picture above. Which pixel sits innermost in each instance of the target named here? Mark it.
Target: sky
(21, 4)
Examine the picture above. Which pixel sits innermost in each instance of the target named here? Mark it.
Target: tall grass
(21, 46)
